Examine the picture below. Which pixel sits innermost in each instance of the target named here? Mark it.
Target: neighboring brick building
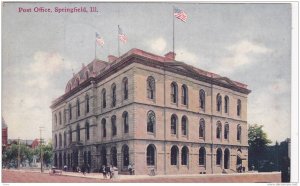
(4, 134)
(153, 112)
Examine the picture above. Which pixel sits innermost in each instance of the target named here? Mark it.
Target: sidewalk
(131, 177)
(135, 177)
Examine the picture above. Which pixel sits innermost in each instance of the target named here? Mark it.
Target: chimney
(170, 55)
(111, 58)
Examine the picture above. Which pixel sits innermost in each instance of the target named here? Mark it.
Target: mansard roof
(98, 70)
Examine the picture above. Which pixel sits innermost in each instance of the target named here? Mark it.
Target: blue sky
(249, 43)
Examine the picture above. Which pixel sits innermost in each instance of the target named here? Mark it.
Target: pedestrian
(104, 171)
(111, 171)
(107, 170)
(83, 169)
(130, 169)
(65, 168)
(88, 168)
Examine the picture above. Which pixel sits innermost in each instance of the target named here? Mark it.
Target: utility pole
(41, 151)
(19, 153)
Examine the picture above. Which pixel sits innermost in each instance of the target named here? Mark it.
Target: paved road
(21, 176)
(14, 176)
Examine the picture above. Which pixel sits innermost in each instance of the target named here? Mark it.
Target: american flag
(99, 40)
(180, 14)
(122, 36)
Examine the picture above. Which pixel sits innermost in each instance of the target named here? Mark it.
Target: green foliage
(10, 154)
(257, 139)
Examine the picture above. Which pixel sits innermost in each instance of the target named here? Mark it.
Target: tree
(258, 141)
(47, 153)
(10, 156)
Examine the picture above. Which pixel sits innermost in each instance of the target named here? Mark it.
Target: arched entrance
(226, 159)
(125, 153)
(103, 156)
(113, 155)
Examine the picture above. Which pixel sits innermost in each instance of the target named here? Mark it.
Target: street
(22, 176)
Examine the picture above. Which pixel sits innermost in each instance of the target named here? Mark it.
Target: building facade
(4, 134)
(153, 112)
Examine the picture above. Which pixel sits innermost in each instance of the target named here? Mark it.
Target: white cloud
(28, 109)
(157, 45)
(242, 53)
(186, 56)
(271, 108)
(44, 67)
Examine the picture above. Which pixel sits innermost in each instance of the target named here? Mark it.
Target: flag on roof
(122, 36)
(99, 40)
(180, 14)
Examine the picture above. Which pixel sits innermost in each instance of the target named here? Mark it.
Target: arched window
(113, 125)
(87, 131)
(239, 132)
(219, 156)
(184, 96)
(55, 119)
(103, 123)
(60, 121)
(65, 139)
(78, 107)
(70, 111)
(174, 155)
(239, 107)
(202, 156)
(125, 88)
(219, 102)
(174, 92)
(226, 131)
(184, 125)
(78, 132)
(113, 154)
(151, 121)
(125, 151)
(65, 116)
(173, 124)
(151, 155)
(219, 130)
(184, 155)
(60, 140)
(202, 128)
(113, 95)
(151, 87)
(125, 122)
(226, 159)
(87, 103)
(103, 98)
(226, 104)
(202, 99)
(55, 141)
(70, 135)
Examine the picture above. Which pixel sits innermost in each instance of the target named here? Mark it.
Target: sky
(249, 43)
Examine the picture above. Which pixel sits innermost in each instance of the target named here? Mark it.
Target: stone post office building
(153, 112)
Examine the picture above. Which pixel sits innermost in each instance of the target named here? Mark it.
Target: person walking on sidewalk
(107, 170)
(83, 169)
(111, 171)
(104, 171)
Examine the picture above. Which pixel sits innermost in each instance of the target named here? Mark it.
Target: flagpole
(173, 30)
(118, 41)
